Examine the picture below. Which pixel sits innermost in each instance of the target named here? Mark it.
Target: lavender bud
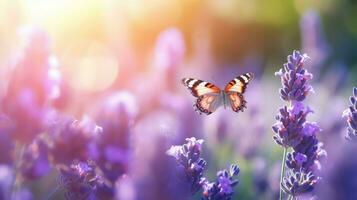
(188, 158)
(298, 183)
(294, 78)
(223, 187)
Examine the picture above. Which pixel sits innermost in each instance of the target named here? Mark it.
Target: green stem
(19, 151)
(53, 192)
(291, 197)
(282, 173)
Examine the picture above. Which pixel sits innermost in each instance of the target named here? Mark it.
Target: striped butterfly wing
(209, 96)
(235, 90)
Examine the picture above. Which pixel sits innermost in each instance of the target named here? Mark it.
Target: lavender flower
(23, 194)
(339, 173)
(306, 155)
(6, 142)
(291, 125)
(7, 177)
(170, 49)
(72, 140)
(222, 188)
(168, 55)
(6, 180)
(125, 188)
(351, 115)
(313, 40)
(80, 181)
(116, 117)
(260, 176)
(298, 183)
(295, 132)
(294, 78)
(27, 98)
(191, 168)
(154, 172)
(34, 163)
(190, 164)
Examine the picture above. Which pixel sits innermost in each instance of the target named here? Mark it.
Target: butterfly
(210, 97)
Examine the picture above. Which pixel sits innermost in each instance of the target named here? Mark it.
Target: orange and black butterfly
(210, 97)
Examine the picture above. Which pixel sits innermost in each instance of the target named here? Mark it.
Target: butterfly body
(210, 97)
(224, 99)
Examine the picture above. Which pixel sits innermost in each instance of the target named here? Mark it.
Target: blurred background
(75, 55)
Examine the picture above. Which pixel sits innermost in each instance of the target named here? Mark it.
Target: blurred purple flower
(168, 55)
(6, 180)
(32, 85)
(116, 116)
(222, 188)
(34, 163)
(23, 194)
(7, 177)
(339, 172)
(157, 178)
(190, 164)
(125, 188)
(351, 115)
(313, 39)
(260, 176)
(6, 141)
(170, 49)
(80, 181)
(153, 172)
(294, 78)
(188, 123)
(72, 140)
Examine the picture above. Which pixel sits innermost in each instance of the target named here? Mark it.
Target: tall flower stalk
(294, 133)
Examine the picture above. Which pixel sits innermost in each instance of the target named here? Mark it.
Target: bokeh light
(95, 70)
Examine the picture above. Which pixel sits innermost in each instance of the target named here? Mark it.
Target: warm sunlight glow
(95, 71)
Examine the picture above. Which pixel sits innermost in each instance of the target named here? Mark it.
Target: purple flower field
(94, 102)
